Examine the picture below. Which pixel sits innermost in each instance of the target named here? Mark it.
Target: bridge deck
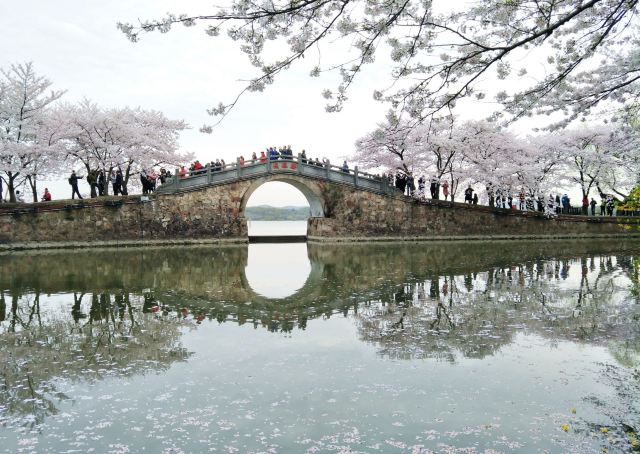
(294, 165)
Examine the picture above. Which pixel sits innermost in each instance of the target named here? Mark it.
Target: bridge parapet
(296, 165)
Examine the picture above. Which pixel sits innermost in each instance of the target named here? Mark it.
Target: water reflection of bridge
(218, 273)
(343, 279)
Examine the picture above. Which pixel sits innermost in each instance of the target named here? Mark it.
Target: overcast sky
(76, 44)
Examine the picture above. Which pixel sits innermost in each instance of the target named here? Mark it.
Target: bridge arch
(308, 188)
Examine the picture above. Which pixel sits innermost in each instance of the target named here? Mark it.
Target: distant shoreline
(270, 213)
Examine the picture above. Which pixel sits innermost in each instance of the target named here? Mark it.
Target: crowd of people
(503, 198)
(270, 154)
(403, 181)
(98, 183)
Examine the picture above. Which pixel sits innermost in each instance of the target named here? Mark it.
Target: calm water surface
(277, 228)
(294, 348)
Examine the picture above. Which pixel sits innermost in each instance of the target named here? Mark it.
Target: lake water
(295, 348)
(277, 228)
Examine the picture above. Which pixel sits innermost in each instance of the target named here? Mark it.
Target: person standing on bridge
(411, 186)
(120, 183)
(92, 179)
(73, 181)
(566, 204)
(433, 188)
(610, 205)
(421, 187)
(100, 183)
(468, 195)
(445, 189)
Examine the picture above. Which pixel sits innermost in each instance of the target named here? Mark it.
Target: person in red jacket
(46, 197)
(585, 205)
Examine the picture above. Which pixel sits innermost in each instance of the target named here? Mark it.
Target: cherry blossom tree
(598, 156)
(25, 150)
(587, 51)
(393, 147)
(462, 153)
(605, 157)
(120, 138)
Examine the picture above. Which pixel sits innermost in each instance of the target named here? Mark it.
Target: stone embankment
(360, 216)
(215, 214)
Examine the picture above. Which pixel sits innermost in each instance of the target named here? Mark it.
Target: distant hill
(269, 213)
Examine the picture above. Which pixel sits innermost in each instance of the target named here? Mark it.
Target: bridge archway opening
(280, 198)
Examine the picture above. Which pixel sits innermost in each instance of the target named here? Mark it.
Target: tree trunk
(11, 186)
(125, 179)
(33, 182)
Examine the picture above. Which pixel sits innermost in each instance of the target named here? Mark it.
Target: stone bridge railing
(293, 165)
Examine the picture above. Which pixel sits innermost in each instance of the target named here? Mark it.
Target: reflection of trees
(39, 351)
(474, 314)
(195, 270)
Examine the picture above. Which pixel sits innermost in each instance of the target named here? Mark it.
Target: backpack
(70, 181)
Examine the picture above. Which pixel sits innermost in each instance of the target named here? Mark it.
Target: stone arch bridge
(313, 180)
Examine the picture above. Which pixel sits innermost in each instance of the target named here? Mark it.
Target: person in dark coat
(92, 179)
(610, 205)
(120, 183)
(73, 181)
(468, 195)
(566, 204)
(490, 193)
(593, 206)
(100, 183)
(401, 182)
(434, 188)
(411, 186)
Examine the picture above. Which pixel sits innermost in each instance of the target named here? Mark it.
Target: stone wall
(215, 214)
(210, 213)
(363, 215)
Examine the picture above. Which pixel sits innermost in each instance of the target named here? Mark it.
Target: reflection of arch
(306, 294)
(310, 191)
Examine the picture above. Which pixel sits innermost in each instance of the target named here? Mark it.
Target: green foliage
(633, 201)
